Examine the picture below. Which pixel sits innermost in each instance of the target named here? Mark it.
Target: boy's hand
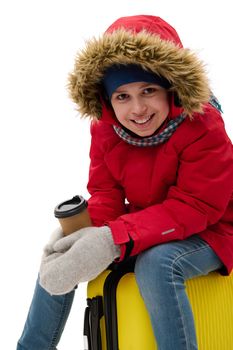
(76, 258)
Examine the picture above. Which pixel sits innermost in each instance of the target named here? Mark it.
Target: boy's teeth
(142, 121)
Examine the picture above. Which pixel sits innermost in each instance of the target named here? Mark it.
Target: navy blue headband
(118, 75)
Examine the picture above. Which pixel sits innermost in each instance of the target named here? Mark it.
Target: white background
(44, 145)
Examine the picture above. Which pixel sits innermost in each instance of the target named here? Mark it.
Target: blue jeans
(46, 320)
(160, 273)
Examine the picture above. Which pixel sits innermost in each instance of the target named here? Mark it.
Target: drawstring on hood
(149, 42)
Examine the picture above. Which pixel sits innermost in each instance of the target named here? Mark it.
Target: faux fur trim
(180, 66)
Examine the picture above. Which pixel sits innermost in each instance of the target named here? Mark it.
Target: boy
(161, 181)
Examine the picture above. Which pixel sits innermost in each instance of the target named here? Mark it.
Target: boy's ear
(175, 107)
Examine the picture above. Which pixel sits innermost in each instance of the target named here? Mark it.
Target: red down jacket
(151, 195)
(174, 190)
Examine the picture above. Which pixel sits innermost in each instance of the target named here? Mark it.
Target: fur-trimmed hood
(147, 41)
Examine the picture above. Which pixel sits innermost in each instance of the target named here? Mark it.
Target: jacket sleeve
(107, 201)
(198, 199)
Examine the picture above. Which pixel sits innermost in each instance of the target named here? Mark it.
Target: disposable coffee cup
(73, 214)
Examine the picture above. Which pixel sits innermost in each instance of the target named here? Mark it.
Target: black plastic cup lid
(70, 207)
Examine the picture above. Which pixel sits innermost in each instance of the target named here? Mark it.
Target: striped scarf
(151, 140)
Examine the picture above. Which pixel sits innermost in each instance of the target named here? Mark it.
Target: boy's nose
(138, 107)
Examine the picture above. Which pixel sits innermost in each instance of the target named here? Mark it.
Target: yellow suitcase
(116, 317)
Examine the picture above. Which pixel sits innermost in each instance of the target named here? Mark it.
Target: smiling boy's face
(140, 107)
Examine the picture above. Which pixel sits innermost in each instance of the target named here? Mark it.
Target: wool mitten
(76, 258)
(55, 236)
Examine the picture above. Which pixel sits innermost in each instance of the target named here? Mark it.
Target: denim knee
(154, 262)
(178, 260)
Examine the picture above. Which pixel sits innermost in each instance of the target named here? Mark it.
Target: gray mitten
(77, 258)
(55, 236)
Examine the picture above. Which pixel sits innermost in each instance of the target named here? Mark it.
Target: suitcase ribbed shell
(211, 298)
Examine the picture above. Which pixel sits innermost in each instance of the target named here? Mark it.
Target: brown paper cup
(73, 214)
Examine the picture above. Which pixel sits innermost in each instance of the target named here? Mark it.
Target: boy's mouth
(143, 121)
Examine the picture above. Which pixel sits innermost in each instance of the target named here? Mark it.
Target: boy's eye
(122, 97)
(149, 90)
